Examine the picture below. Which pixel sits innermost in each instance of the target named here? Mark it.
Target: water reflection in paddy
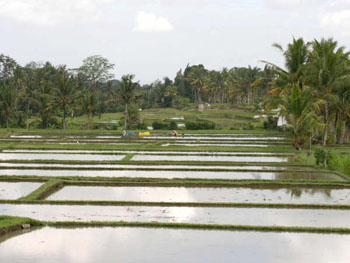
(210, 195)
(175, 174)
(61, 157)
(139, 157)
(197, 215)
(144, 152)
(14, 190)
(160, 167)
(172, 245)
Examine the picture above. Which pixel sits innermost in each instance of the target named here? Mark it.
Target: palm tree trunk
(27, 117)
(64, 118)
(325, 122)
(7, 122)
(343, 129)
(125, 119)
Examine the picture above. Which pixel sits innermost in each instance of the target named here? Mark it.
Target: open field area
(167, 187)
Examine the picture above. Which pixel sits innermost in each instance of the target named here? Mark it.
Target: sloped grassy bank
(13, 223)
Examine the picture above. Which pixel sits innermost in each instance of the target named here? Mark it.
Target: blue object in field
(131, 133)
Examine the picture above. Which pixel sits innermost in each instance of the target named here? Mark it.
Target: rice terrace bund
(99, 182)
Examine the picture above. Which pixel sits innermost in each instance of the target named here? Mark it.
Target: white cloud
(282, 4)
(337, 21)
(149, 22)
(50, 12)
(335, 17)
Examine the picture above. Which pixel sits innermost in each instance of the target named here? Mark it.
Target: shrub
(141, 126)
(271, 123)
(198, 125)
(249, 126)
(173, 125)
(157, 125)
(346, 164)
(334, 161)
(320, 155)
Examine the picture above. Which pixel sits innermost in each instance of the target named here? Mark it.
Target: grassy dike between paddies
(9, 224)
(63, 224)
(56, 183)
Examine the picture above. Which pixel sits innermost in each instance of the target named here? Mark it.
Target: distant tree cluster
(44, 95)
(313, 91)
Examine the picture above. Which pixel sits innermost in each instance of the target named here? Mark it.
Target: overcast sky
(155, 38)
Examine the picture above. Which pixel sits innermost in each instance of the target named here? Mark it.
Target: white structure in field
(281, 120)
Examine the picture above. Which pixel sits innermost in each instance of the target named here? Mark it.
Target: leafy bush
(346, 165)
(271, 123)
(321, 155)
(249, 126)
(334, 161)
(141, 126)
(173, 125)
(198, 125)
(157, 125)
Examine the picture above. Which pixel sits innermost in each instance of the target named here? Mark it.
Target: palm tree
(27, 92)
(89, 104)
(7, 101)
(300, 112)
(128, 95)
(327, 66)
(343, 106)
(195, 78)
(296, 58)
(65, 92)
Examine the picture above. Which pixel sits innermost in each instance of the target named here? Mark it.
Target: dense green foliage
(312, 93)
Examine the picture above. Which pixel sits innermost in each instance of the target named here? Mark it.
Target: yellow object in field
(144, 133)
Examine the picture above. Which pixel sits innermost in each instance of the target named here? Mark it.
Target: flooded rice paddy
(238, 175)
(163, 245)
(145, 152)
(204, 195)
(14, 190)
(140, 157)
(248, 167)
(195, 215)
(60, 157)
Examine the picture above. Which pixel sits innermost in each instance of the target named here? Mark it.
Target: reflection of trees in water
(298, 192)
(303, 176)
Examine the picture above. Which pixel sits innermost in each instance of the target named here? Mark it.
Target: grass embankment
(202, 226)
(12, 223)
(185, 182)
(146, 147)
(44, 190)
(9, 224)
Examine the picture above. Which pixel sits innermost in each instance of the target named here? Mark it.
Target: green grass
(44, 190)
(188, 182)
(148, 147)
(128, 157)
(12, 223)
(202, 226)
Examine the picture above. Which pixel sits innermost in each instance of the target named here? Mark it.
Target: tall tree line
(48, 94)
(312, 91)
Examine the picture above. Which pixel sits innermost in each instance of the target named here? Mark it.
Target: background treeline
(313, 91)
(44, 95)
